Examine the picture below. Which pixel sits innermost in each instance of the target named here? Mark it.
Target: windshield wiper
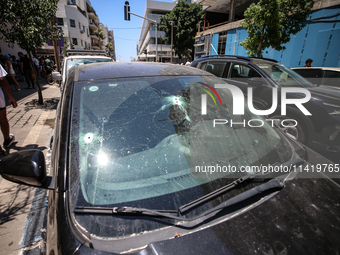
(186, 207)
(274, 185)
(125, 210)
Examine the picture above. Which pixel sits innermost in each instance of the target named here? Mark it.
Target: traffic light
(126, 11)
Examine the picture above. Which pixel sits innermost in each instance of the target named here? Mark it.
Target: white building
(79, 22)
(147, 38)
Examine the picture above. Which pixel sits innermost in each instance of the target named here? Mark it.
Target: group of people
(12, 70)
(21, 69)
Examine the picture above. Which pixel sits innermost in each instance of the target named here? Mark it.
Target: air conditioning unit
(82, 31)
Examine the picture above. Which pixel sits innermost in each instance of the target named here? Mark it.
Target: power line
(125, 39)
(127, 28)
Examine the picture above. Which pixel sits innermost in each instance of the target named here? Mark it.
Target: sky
(126, 33)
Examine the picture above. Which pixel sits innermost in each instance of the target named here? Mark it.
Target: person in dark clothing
(26, 68)
(308, 63)
(48, 67)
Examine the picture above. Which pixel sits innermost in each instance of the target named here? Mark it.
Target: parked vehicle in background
(78, 57)
(328, 76)
(321, 130)
(129, 174)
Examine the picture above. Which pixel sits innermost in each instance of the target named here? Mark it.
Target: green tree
(28, 23)
(100, 34)
(185, 18)
(270, 23)
(66, 45)
(109, 49)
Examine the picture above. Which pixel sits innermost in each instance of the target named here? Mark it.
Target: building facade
(318, 40)
(146, 46)
(80, 24)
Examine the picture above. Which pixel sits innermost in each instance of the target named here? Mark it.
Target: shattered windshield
(143, 139)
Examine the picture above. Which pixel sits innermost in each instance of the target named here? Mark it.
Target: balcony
(95, 46)
(93, 35)
(92, 15)
(93, 24)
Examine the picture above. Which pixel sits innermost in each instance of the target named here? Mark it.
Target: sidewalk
(32, 128)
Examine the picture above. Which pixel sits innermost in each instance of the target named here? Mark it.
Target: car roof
(322, 68)
(224, 57)
(110, 70)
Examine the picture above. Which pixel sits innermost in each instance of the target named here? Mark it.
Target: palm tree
(100, 34)
(109, 49)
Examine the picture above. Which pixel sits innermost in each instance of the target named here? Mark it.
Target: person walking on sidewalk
(48, 67)
(26, 68)
(9, 138)
(11, 73)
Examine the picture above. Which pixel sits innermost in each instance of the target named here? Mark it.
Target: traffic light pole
(150, 20)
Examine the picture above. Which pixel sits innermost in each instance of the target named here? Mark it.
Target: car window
(203, 66)
(313, 75)
(281, 74)
(331, 78)
(240, 72)
(216, 67)
(82, 61)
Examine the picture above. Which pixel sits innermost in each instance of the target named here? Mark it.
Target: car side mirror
(255, 82)
(56, 76)
(26, 167)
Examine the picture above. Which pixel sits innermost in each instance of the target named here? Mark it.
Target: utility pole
(127, 17)
(172, 32)
(161, 49)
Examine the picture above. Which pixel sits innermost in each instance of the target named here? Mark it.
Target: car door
(243, 76)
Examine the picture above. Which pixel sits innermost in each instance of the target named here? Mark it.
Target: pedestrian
(4, 125)
(42, 67)
(11, 73)
(308, 63)
(36, 64)
(26, 68)
(188, 63)
(48, 67)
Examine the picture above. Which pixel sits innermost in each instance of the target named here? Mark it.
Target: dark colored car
(138, 168)
(320, 130)
(328, 76)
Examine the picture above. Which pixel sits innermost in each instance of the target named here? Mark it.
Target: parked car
(328, 76)
(78, 57)
(320, 130)
(132, 171)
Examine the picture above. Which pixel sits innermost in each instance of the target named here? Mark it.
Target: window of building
(79, 26)
(60, 21)
(72, 23)
(75, 41)
(81, 42)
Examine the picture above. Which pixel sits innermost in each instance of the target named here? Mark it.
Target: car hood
(325, 93)
(302, 218)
